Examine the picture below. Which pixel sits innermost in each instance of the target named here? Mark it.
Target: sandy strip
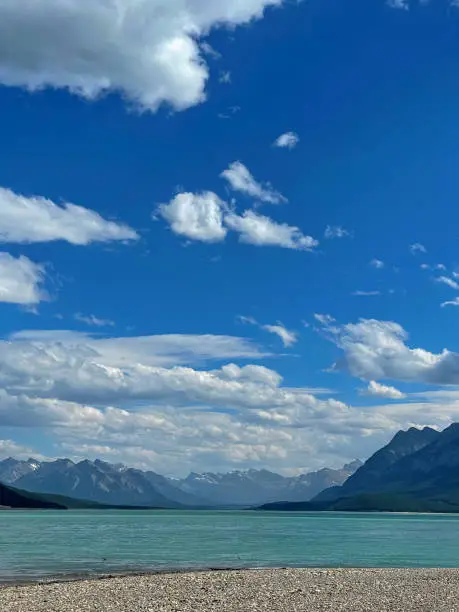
(289, 590)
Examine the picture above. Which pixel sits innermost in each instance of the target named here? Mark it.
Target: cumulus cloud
(289, 140)
(130, 399)
(35, 219)
(147, 51)
(375, 389)
(237, 413)
(206, 218)
(336, 231)
(21, 280)
(378, 350)
(196, 216)
(262, 231)
(241, 179)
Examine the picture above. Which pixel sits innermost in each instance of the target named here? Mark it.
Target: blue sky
(259, 270)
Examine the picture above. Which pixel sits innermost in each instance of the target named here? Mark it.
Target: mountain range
(417, 471)
(115, 484)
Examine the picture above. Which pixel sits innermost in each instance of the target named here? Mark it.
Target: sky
(229, 229)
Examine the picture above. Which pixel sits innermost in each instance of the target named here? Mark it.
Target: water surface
(42, 544)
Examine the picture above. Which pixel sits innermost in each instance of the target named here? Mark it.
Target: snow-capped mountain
(120, 485)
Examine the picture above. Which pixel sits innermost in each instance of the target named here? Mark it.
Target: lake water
(42, 544)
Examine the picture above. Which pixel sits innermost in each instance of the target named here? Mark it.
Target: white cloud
(8, 448)
(160, 351)
(240, 179)
(225, 77)
(21, 280)
(417, 247)
(206, 218)
(35, 219)
(445, 280)
(377, 390)
(288, 337)
(377, 263)
(454, 302)
(336, 231)
(210, 51)
(249, 320)
(129, 399)
(398, 4)
(262, 231)
(49, 374)
(366, 293)
(377, 350)
(148, 51)
(289, 140)
(324, 319)
(196, 216)
(93, 320)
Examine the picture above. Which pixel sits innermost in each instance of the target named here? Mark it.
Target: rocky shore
(276, 590)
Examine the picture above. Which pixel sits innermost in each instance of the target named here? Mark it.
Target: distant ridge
(10, 497)
(115, 484)
(418, 471)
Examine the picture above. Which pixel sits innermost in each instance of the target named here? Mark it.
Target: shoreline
(95, 576)
(276, 590)
(100, 576)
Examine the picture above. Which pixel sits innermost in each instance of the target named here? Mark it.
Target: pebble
(273, 590)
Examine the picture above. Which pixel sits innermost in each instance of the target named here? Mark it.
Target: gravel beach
(286, 590)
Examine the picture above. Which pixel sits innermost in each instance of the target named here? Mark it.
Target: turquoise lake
(42, 544)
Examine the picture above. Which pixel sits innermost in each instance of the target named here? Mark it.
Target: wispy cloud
(287, 336)
(377, 263)
(398, 4)
(241, 179)
(225, 77)
(445, 280)
(207, 49)
(93, 320)
(454, 302)
(336, 231)
(324, 319)
(366, 293)
(262, 231)
(417, 247)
